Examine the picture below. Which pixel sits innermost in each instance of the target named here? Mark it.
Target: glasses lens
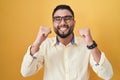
(57, 19)
(68, 18)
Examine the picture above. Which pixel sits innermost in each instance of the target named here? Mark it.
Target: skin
(84, 32)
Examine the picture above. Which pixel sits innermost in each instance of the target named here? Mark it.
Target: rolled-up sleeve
(103, 69)
(31, 64)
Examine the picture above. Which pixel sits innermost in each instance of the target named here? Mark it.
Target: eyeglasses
(58, 19)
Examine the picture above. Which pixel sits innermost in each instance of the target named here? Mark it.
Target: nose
(62, 22)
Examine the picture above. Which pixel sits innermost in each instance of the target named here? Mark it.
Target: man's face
(63, 23)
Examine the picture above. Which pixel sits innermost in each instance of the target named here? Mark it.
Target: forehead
(62, 12)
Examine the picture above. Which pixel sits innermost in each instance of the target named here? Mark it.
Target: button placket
(66, 62)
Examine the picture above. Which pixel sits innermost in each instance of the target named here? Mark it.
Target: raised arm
(33, 59)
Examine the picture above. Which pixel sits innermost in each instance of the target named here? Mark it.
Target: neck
(66, 40)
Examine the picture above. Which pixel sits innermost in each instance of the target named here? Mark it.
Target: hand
(85, 33)
(42, 35)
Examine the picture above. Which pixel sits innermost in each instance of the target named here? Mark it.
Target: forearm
(92, 46)
(96, 54)
(33, 50)
(104, 69)
(30, 64)
(99, 62)
(35, 47)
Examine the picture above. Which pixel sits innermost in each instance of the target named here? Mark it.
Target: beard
(63, 34)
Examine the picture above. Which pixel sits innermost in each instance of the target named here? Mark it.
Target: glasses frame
(67, 19)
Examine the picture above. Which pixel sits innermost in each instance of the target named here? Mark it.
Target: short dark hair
(63, 7)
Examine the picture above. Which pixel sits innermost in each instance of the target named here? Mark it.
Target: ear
(74, 21)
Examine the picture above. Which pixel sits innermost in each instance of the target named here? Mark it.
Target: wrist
(89, 42)
(36, 43)
(33, 50)
(92, 45)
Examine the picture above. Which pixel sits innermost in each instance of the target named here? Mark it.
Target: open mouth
(63, 29)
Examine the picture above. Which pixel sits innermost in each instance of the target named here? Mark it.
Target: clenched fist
(42, 35)
(86, 35)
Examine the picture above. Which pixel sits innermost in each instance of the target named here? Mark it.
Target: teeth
(63, 29)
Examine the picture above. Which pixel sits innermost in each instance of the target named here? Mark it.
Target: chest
(70, 54)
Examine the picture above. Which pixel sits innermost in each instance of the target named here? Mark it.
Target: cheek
(55, 25)
(72, 25)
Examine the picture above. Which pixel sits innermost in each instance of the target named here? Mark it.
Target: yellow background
(20, 21)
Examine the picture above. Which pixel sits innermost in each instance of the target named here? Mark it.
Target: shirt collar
(56, 41)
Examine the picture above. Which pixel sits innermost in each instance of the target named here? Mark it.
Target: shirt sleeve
(103, 69)
(31, 64)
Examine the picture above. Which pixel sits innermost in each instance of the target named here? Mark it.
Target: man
(65, 57)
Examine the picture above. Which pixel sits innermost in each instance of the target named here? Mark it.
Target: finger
(50, 31)
(83, 36)
(80, 32)
(42, 34)
(45, 34)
